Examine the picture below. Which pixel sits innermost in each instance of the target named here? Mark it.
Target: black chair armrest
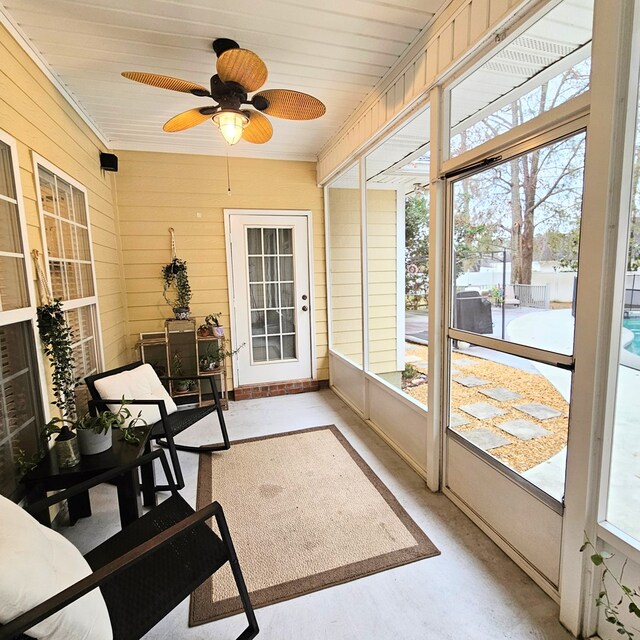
(81, 487)
(47, 608)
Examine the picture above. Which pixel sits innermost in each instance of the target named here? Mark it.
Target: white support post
(594, 379)
(436, 312)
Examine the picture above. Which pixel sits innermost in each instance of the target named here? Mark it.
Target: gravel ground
(520, 455)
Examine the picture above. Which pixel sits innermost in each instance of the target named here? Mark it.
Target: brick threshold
(247, 392)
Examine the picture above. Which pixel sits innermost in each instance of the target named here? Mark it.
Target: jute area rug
(305, 512)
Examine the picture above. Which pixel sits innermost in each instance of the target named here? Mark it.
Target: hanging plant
(175, 284)
(57, 340)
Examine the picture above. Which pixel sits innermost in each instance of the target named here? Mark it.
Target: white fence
(532, 295)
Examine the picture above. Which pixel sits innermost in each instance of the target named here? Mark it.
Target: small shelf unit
(180, 351)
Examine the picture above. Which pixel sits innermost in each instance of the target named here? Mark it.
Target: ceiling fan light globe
(231, 123)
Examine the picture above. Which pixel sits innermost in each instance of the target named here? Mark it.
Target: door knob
(304, 297)
(304, 308)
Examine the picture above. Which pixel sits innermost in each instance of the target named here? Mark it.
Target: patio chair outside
(510, 296)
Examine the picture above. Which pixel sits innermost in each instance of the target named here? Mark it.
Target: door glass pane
(270, 241)
(257, 323)
(286, 294)
(513, 409)
(256, 296)
(288, 322)
(288, 346)
(259, 349)
(254, 242)
(265, 301)
(285, 238)
(623, 505)
(516, 237)
(541, 69)
(286, 268)
(345, 253)
(255, 270)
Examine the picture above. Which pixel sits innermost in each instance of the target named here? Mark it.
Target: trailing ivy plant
(57, 340)
(175, 278)
(629, 596)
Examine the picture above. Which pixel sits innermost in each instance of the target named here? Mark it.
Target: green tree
(416, 250)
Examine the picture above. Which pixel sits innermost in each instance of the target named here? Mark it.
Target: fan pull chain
(228, 177)
(173, 242)
(43, 284)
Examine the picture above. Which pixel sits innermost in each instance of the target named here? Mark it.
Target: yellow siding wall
(156, 191)
(382, 235)
(346, 278)
(37, 116)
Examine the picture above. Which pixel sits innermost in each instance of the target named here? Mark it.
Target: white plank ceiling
(336, 50)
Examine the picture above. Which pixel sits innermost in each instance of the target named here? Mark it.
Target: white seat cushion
(35, 564)
(141, 383)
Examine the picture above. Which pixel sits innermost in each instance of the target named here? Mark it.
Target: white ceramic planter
(91, 442)
(218, 332)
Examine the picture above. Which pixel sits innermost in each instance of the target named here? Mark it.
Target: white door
(270, 296)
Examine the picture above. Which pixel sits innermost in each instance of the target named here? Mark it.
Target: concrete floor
(471, 591)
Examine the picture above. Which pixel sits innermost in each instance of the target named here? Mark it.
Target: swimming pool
(633, 324)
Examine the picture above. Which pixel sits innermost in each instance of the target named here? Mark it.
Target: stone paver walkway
(485, 439)
(482, 410)
(523, 429)
(501, 394)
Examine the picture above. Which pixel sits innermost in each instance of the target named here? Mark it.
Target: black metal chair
(169, 426)
(148, 568)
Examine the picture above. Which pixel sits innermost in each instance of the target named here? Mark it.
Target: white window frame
(26, 314)
(606, 530)
(88, 301)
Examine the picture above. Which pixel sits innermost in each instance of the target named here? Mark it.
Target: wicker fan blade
(292, 105)
(259, 129)
(185, 120)
(242, 66)
(166, 82)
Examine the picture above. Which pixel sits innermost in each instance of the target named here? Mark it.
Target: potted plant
(175, 287)
(216, 354)
(94, 432)
(212, 326)
(177, 370)
(57, 340)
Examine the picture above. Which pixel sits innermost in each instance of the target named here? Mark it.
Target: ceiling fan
(239, 72)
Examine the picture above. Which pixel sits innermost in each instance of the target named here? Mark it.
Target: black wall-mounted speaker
(108, 161)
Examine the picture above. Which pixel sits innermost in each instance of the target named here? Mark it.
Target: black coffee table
(48, 476)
